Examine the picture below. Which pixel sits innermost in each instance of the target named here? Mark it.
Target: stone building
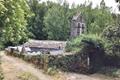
(77, 25)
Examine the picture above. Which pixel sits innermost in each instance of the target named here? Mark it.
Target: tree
(57, 22)
(14, 21)
(36, 24)
(96, 19)
(2, 10)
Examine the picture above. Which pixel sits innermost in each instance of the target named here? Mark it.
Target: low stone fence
(72, 63)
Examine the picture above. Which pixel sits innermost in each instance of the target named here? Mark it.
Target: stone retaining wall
(74, 63)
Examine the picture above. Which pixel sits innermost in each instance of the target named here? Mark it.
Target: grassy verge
(110, 71)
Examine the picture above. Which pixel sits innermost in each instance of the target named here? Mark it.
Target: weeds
(27, 76)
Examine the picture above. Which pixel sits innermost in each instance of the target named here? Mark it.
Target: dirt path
(13, 66)
(74, 76)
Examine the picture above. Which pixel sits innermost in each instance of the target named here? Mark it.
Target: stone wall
(73, 63)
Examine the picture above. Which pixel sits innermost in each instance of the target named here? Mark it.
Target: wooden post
(46, 60)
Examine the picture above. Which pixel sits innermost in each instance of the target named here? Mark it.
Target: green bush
(79, 43)
(112, 45)
(52, 71)
(66, 63)
(112, 35)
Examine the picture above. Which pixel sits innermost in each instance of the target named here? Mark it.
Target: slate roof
(45, 44)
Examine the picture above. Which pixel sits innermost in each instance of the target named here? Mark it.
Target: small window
(78, 29)
(83, 26)
(79, 25)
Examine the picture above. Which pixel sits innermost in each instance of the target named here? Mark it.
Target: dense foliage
(57, 22)
(112, 34)
(13, 21)
(52, 20)
(80, 43)
(35, 23)
(96, 19)
(49, 20)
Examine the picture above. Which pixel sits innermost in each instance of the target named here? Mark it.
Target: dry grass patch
(27, 76)
(59, 76)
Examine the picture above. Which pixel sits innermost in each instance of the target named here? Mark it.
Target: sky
(109, 3)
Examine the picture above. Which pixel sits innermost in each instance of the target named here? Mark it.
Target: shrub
(112, 45)
(79, 43)
(52, 71)
(112, 35)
